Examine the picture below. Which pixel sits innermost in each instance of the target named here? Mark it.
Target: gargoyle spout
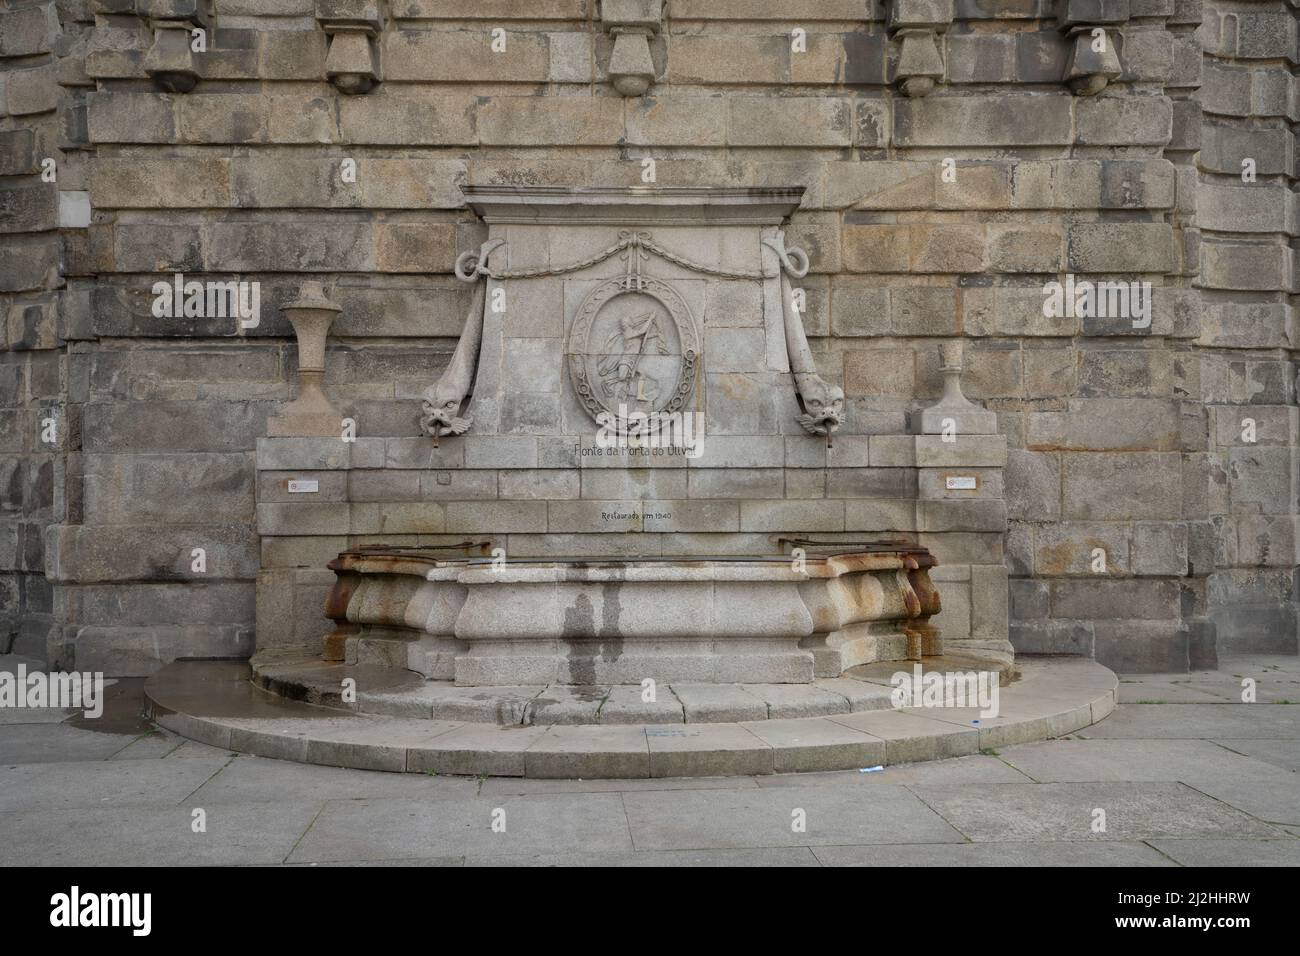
(822, 402)
(442, 401)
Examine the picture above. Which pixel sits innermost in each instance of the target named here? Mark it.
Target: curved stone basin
(727, 619)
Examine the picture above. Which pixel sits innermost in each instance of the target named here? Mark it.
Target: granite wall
(926, 217)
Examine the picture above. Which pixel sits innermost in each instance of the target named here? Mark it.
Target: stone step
(387, 689)
(396, 692)
(215, 702)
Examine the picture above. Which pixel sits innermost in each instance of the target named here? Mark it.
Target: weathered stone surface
(1109, 432)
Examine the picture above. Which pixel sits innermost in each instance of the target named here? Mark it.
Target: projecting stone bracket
(632, 23)
(353, 62)
(1090, 29)
(917, 26)
(171, 62)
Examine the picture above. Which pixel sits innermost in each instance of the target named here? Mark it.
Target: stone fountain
(636, 468)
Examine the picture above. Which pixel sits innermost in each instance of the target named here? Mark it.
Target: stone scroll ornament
(822, 402)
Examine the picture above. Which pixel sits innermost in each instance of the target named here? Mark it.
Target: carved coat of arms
(633, 348)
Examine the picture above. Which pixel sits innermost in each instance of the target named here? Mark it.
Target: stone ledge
(215, 703)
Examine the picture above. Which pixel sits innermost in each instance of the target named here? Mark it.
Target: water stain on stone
(586, 642)
(124, 711)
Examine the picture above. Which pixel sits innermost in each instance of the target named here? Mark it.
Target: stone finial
(310, 414)
(917, 25)
(170, 61)
(352, 63)
(954, 412)
(1093, 61)
(631, 23)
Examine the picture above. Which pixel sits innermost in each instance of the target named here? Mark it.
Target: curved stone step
(217, 703)
(393, 691)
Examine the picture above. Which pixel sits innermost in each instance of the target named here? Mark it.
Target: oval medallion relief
(633, 349)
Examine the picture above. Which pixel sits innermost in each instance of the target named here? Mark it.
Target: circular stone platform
(218, 703)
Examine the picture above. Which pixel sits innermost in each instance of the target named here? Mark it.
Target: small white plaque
(303, 487)
(961, 482)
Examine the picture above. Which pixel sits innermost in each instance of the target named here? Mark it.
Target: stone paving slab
(1167, 692)
(1121, 759)
(260, 780)
(63, 786)
(494, 786)
(1057, 853)
(35, 715)
(1281, 753)
(45, 743)
(1200, 721)
(394, 829)
(1225, 690)
(259, 833)
(1274, 798)
(699, 819)
(955, 770)
(156, 743)
(765, 856)
(439, 862)
(1231, 852)
(1064, 811)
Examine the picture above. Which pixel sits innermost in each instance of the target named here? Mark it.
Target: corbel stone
(1089, 29)
(352, 64)
(632, 23)
(917, 26)
(170, 61)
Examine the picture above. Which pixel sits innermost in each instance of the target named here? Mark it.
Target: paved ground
(1184, 772)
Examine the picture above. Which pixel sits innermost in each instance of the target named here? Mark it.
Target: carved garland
(470, 266)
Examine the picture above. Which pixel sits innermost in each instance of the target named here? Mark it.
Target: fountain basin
(589, 621)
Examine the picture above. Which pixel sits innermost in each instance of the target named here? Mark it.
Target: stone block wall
(42, 200)
(1246, 211)
(925, 218)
